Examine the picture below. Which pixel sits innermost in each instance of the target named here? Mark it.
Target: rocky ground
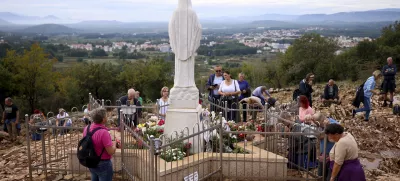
(378, 139)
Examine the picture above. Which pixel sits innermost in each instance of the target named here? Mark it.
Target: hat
(36, 111)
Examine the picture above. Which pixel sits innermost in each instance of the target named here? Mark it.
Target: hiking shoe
(366, 120)
(354, 113)
(384, 104)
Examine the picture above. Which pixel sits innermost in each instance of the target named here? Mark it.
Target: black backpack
(359, 96)
(86, 153)
(396, 109)
(296, 94)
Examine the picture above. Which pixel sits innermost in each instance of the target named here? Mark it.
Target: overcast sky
(161, 10)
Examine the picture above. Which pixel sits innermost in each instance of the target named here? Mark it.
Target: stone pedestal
(184, 97)
(184, 120)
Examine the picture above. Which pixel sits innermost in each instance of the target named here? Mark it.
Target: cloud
(161, 10)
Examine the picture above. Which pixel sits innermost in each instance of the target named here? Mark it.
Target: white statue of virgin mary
(185, 35)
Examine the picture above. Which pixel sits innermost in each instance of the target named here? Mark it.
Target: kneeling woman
(103, 146)
(344, 155)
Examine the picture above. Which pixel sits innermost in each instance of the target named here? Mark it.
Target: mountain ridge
(49, 29)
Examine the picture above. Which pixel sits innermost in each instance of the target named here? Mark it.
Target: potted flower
(187, 147)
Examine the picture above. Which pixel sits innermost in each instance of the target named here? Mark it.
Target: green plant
(240, 150)
(172, 154)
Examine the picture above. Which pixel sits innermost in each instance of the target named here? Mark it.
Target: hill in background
(49, 29)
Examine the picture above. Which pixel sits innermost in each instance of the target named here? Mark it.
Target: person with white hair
(389, 81)
(129, 100)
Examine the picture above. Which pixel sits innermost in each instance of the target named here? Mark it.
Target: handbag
(231, 98)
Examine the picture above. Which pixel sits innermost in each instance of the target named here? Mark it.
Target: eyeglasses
(218, 70)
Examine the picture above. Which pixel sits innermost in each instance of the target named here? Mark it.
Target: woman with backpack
(102, 144)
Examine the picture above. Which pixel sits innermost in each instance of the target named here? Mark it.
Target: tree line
(319, 55)
(30, 78)
(28, 74)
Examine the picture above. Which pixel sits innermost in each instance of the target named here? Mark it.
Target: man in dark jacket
(331, 92)
(130, 100)
(305, 87)
(389, 82)
(213, 85)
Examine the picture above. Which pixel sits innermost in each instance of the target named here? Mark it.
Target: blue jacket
(210, 83)
(369, 86)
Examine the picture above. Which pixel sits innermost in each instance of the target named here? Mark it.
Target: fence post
(265, 125)
(226, 110)
(221, 146)
(102, 103)
(158, 108)
(28, 141)
(324, 164)
(122, 128)
(152, 153)
(44, 156)
(90, 102)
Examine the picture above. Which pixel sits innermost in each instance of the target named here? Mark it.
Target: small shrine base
(258, 163)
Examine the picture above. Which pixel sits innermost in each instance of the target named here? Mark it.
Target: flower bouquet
(172, 154)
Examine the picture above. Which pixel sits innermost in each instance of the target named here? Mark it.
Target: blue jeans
(12, 128)
(103, 172)
(366, 108)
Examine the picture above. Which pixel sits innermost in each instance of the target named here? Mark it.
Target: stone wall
(259, 163)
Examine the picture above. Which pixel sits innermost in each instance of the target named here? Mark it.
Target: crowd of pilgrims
(339, 154)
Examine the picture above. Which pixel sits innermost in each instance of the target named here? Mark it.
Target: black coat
(359, 96)
(335, 92)
(306, 90)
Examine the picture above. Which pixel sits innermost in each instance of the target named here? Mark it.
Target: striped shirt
(369, 86)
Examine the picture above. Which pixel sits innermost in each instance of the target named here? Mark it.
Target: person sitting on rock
(331, 93)
(63, 120)
(304, 109)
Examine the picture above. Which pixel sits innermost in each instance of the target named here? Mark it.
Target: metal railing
(280, 149)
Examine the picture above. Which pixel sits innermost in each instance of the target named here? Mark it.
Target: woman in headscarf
(344, 161)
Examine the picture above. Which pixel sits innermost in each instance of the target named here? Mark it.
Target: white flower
(234, 136)
(213, 115)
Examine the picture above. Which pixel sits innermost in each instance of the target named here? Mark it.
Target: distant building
(165, 48)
